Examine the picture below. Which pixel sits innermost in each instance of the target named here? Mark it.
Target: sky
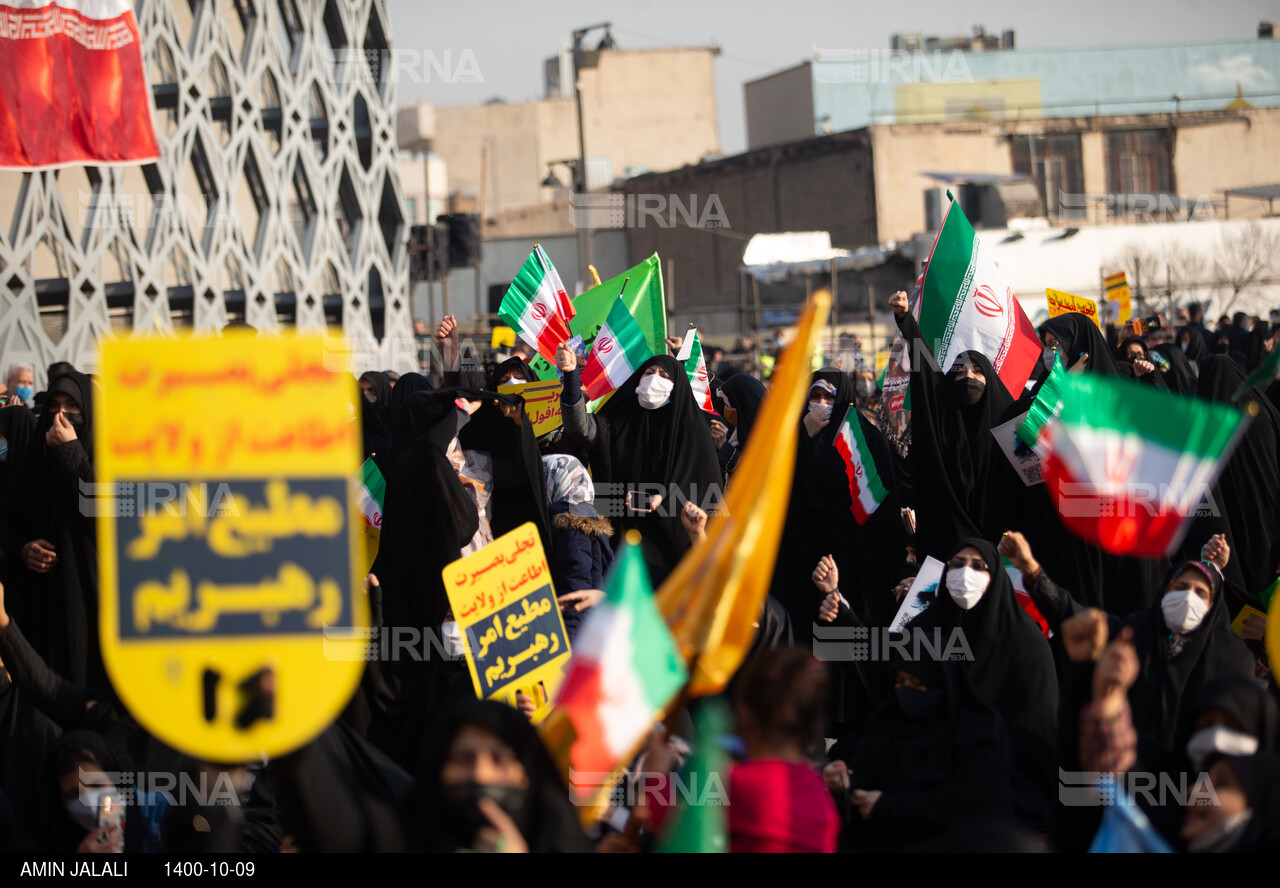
(503, 43)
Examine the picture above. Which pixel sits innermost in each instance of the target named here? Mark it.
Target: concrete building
(651, 109)
(1171, 175)
(921, 82)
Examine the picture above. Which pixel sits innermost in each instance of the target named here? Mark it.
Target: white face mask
(1184, 347)
(824, 409)
(654, 391)
(1218, 738)
(452, 632)
(1183, 610)
(966, 585)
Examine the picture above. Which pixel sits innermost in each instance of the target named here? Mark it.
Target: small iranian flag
(695, 367)
(624, 672)
(965, 306)
(536, 305)
(865, 487)
(619, 348)
(1128, 464)
(372, 490)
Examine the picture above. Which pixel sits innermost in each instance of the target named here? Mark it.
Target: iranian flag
(619, 348)
(624, 672)
(73, 86)
(536, 305)
(695, 367)
(1128, 465)
(865, 487)
(965, 306)
(371, 491)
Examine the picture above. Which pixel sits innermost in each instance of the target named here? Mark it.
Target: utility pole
(580, 170)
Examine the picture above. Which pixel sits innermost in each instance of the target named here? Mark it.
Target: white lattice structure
(276, 200)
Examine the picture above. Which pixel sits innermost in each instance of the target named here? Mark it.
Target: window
(1054, 163)
(1139, 162)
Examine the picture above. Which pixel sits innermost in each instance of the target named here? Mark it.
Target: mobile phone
(111, 815)
(1146, 325)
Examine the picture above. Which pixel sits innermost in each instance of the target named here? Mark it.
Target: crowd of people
(1150, 668)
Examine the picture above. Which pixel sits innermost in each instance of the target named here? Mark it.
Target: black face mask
(969, 390)
(76, 420)
(917, 704)
(460, 808)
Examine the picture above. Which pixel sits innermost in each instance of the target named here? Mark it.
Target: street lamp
(580, 170)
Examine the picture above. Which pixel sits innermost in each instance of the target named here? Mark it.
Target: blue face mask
(4, 449)
(24, 393)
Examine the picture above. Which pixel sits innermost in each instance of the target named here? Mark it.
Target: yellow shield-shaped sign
(229, 541)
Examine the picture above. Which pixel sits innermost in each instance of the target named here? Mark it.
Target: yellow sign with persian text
(1061, 303)
(541, 404)
(233, 622)
(1118, 291)
(505, 605)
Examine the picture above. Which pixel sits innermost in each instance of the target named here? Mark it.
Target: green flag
(643, 298)
(701, 824)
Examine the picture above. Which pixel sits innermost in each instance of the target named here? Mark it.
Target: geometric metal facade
(276, 200)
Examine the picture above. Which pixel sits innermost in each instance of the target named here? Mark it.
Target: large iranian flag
(73, 86)
(624, 672)
(1128, 465)
(865, 487)
(536, 305)
(695, 367)
(618, 350)
(965, 306)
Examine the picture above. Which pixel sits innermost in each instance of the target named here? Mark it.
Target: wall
(1072, 82)
(1231, 154)
(902, 153)
(641, 108)
(821, 184)
(780, 107)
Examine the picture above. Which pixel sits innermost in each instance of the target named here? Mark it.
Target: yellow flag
(712, 601)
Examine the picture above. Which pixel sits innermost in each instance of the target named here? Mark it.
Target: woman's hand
(815, 421)
(580, 600)
(830, 607)
(898, 302)
(865, 800)
(447, 339)
(1217, 551)
(836, 776)
(826, 576)
(100, 841)
(719, 433)
(694, 521)
(1085, 635)
(566, 360)
(39, 556)
(1142, 367)
(501, 836)
(1115, 673)
(60, 432)
(1015, 547)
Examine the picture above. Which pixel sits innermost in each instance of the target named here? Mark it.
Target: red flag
(73, 86)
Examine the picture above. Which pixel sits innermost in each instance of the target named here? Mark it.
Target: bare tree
(1143, 268)
(1185, 269)
(1245, 258)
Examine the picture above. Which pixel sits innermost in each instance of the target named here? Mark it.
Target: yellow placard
(233, 624)
(1118, 291)
(503, 337)
(1237, 625)
(541, 403)
(1061, 303)
(505, 605)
